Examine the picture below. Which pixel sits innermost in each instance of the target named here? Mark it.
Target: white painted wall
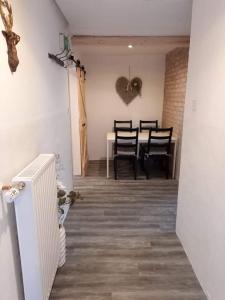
(103, 103)
(34, 117)
(201, 205)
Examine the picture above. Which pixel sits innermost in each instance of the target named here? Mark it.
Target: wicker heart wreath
(128, 90)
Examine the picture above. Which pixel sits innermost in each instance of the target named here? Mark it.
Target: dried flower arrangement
(65, 201)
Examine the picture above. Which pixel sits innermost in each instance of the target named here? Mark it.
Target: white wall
(103, 103)
(34, 117)
(201, 205)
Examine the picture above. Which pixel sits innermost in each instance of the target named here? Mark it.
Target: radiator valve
(11, 191)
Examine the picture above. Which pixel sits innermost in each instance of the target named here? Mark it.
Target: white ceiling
(87, 45)
(128, 17)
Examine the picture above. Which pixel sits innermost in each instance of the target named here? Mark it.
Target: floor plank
(121, 242)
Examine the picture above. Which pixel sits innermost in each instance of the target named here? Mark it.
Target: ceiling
(127, 17)
(87, 45)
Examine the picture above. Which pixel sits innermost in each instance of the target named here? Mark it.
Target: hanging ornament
(128, 89)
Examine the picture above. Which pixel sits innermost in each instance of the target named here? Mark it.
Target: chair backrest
(160, 140)
(126, 141)
(122, 124)
(146, 125)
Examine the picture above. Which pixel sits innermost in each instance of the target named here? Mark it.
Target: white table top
(142, 137)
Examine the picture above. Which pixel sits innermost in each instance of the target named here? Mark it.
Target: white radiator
(37, 224)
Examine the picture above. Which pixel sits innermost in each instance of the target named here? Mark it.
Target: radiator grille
(37, 225)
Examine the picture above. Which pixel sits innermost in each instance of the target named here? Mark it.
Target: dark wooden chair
(158, 147)
(122, 124)
(146, 125)
(126, 147)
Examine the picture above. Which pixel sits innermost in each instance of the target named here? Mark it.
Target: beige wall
(34, 117)
(201, 201)
(103, 103)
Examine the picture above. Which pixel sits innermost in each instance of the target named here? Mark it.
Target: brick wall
(175, 89)
(174, 95)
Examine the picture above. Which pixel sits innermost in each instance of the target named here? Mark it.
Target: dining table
(142, 138)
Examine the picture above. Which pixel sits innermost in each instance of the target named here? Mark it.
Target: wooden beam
(144, 41)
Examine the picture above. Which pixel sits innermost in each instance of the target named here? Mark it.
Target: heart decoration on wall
(127, 89)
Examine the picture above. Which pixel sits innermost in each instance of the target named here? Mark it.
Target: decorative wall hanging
(128, 89)
(12, 39)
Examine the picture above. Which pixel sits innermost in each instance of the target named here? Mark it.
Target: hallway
(121, 243)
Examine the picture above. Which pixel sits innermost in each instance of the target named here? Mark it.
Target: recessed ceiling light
(130, 46)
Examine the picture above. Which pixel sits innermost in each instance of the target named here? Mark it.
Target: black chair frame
(122, 124)
(158, 146)
(126, 147)
(146, 125)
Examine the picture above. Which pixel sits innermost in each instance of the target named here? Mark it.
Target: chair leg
(146, 168)
(115, 168)
(142, 161)
(167, 167)
(135, 168)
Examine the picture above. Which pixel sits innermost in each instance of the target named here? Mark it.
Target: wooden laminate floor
(121, 243)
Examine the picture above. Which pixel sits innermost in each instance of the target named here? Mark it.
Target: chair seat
(125, 155)
(157, 153)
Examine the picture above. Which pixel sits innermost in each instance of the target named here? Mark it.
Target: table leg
(138, 149)
(107, 160)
